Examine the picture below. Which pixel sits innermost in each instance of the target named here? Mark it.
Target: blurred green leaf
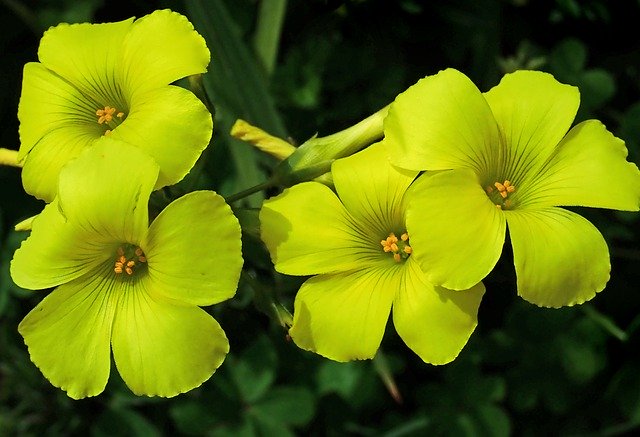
(234, 70)
(254, 370)
(624, 390)
(287, 405)
(568, 58)
(341, 378)
(239, 88)
(122, 422)
(266, 426)
(597, 87)
(630, 132)
(493, 421)
(267, 35)
(193, 417)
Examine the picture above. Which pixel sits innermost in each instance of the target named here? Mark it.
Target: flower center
(128, 259)
(499, 194)
(106, 116)
(399, 248)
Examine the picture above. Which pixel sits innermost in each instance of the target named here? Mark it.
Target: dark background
(526, 370)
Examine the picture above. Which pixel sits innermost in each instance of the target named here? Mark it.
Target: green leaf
(254, 370)
(239, 88)
(265, 426)
(493, 420)
(568, 58)
(234, 70)
(193, 417)
(122, 422)
(341, 378)
(287, 405)
(597, 87)
(268, 28)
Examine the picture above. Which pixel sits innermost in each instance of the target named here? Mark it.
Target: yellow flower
(113, 79)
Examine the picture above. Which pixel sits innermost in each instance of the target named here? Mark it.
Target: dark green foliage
(526, 370)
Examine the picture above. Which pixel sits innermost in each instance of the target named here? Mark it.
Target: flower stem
(605, 322)
(249, 191)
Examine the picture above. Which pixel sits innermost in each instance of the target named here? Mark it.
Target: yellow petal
(561, 259)
(434, 322)
(343, 316)
(162, 349)
(442, 122)
(68, 335)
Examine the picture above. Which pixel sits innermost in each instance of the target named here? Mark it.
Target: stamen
(107, 114)
(500, 194)
(127, 258)
(399, 248)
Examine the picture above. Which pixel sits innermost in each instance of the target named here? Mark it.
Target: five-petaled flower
(507, 157)
(123, 284)
(113, 79)
(360, 249)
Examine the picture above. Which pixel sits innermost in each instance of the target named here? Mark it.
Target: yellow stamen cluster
(106, 115)
(399, 248)
(503, 190)
(126, 263)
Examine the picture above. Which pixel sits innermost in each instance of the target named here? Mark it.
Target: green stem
(343, 143)
(314, 157)
(605, 322)
(249, 191)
